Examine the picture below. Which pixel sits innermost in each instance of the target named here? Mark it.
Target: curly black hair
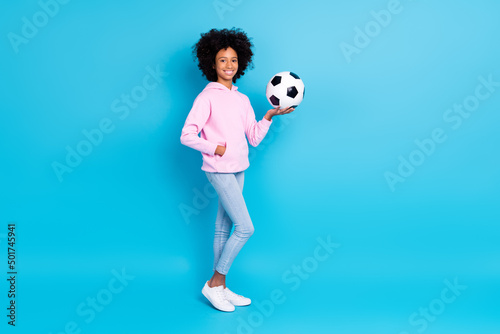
(215, 40)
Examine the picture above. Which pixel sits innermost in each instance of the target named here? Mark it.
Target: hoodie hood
(219, 86)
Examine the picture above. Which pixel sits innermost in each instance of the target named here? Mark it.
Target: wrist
(268, 117)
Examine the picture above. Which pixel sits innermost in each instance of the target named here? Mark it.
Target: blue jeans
(232, 210)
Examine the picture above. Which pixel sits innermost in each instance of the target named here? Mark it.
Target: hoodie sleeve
(195, 121)
(255, 131)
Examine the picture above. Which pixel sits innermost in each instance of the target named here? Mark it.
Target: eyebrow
(226, 57)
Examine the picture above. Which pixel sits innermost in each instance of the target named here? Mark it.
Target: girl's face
(226, 65)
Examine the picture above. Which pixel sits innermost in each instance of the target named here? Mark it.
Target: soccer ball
(285, 90)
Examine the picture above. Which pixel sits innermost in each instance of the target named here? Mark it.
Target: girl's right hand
(220, 150)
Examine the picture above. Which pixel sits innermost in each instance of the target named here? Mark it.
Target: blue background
(319, 172)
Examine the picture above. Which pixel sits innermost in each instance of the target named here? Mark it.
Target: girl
(224, 116)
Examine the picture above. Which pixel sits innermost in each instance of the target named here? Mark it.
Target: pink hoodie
(223, 117)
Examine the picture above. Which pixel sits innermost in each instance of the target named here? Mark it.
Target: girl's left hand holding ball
(277, 111)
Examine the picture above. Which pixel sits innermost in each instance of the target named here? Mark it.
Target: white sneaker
(236, 300)
(217, 297)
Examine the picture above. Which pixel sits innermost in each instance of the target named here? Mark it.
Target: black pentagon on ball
(276, 80)
(294, 75)
(292, 92)
(274, 100)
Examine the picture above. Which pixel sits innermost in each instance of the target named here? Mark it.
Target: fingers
(286, 111)
(278, 111)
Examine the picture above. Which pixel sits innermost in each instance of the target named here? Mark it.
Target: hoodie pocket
(222, 161)
(218, 157)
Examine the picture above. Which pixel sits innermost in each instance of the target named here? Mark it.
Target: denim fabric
(232, 211)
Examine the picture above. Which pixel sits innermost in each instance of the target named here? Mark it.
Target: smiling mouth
(229, 72)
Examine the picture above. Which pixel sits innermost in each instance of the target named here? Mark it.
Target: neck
(227, 83)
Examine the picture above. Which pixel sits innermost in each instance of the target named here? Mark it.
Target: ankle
(213, 283)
